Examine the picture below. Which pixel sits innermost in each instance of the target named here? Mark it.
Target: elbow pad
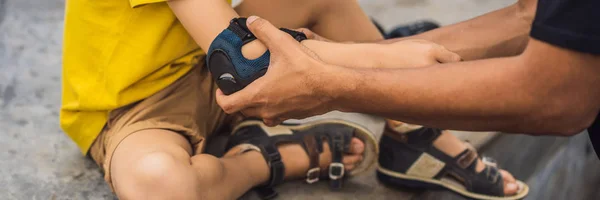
(228, 67)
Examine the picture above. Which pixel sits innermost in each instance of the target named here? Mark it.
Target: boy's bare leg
(338, 20)
(156, 164)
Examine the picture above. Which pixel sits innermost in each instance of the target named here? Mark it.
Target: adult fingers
(272, 122)
(234, 102)
(444, 55)
(271, 36)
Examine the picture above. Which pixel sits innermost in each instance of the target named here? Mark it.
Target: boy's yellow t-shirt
(116, 52)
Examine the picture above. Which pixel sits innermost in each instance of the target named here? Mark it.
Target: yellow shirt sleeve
(136, 3)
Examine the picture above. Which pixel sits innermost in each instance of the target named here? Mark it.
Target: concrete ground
(37, 161)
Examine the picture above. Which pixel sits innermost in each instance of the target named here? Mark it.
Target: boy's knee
(155, 166)
(160, 174)
(157, 175)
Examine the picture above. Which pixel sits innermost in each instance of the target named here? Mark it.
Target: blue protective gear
(228, 66)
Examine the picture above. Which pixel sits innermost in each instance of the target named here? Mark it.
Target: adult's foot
(449, 145)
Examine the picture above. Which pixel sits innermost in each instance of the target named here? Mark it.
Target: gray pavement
(37, 161)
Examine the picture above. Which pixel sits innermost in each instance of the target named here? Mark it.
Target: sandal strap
(422, 137)
(314, 171)
(256, 137)
(276, 168)
(336, 168)
(464, 166)
(273, 158)
(466, 158)
(489, 181)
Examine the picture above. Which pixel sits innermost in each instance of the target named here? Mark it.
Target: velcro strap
(314, 172)
(336, 168)
(298, 36)
(492, 174)
(424, 135)
(273, 158)
(277, 171)
(238, 26)
(337, 147)
(466, 158)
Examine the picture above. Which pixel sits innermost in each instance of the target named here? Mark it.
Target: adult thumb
(268, 34)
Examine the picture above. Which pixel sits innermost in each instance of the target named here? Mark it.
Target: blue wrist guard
(229, 68)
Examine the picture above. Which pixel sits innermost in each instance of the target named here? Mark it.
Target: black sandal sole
(398, 179)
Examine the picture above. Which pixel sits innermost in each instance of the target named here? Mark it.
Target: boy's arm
(402, 54)
(503, 32)
(203, 19)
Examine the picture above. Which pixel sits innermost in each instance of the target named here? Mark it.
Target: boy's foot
(430, 158)
(325, 148)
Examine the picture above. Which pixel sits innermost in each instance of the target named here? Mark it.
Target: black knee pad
(228, 66)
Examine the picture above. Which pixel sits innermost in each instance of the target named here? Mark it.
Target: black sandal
(411, 160)
(253, 135)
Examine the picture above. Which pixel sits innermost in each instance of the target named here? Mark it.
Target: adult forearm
(466, 96)
(500, 33)
(526, 93)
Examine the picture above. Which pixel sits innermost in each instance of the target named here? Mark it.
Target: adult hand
(291, 88)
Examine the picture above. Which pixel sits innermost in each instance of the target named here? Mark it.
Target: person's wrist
(337, 83)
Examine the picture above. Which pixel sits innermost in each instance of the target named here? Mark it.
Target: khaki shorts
(187, 107)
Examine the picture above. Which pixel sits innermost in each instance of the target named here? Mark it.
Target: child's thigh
(284, 13)
(339, 20)
(170, 125)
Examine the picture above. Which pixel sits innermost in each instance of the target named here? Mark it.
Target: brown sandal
(254, 135)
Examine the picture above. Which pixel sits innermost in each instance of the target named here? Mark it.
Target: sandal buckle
(336, 171)
(489, 161)
(312, 175)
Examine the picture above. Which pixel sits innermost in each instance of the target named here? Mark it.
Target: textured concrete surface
(37, 161)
